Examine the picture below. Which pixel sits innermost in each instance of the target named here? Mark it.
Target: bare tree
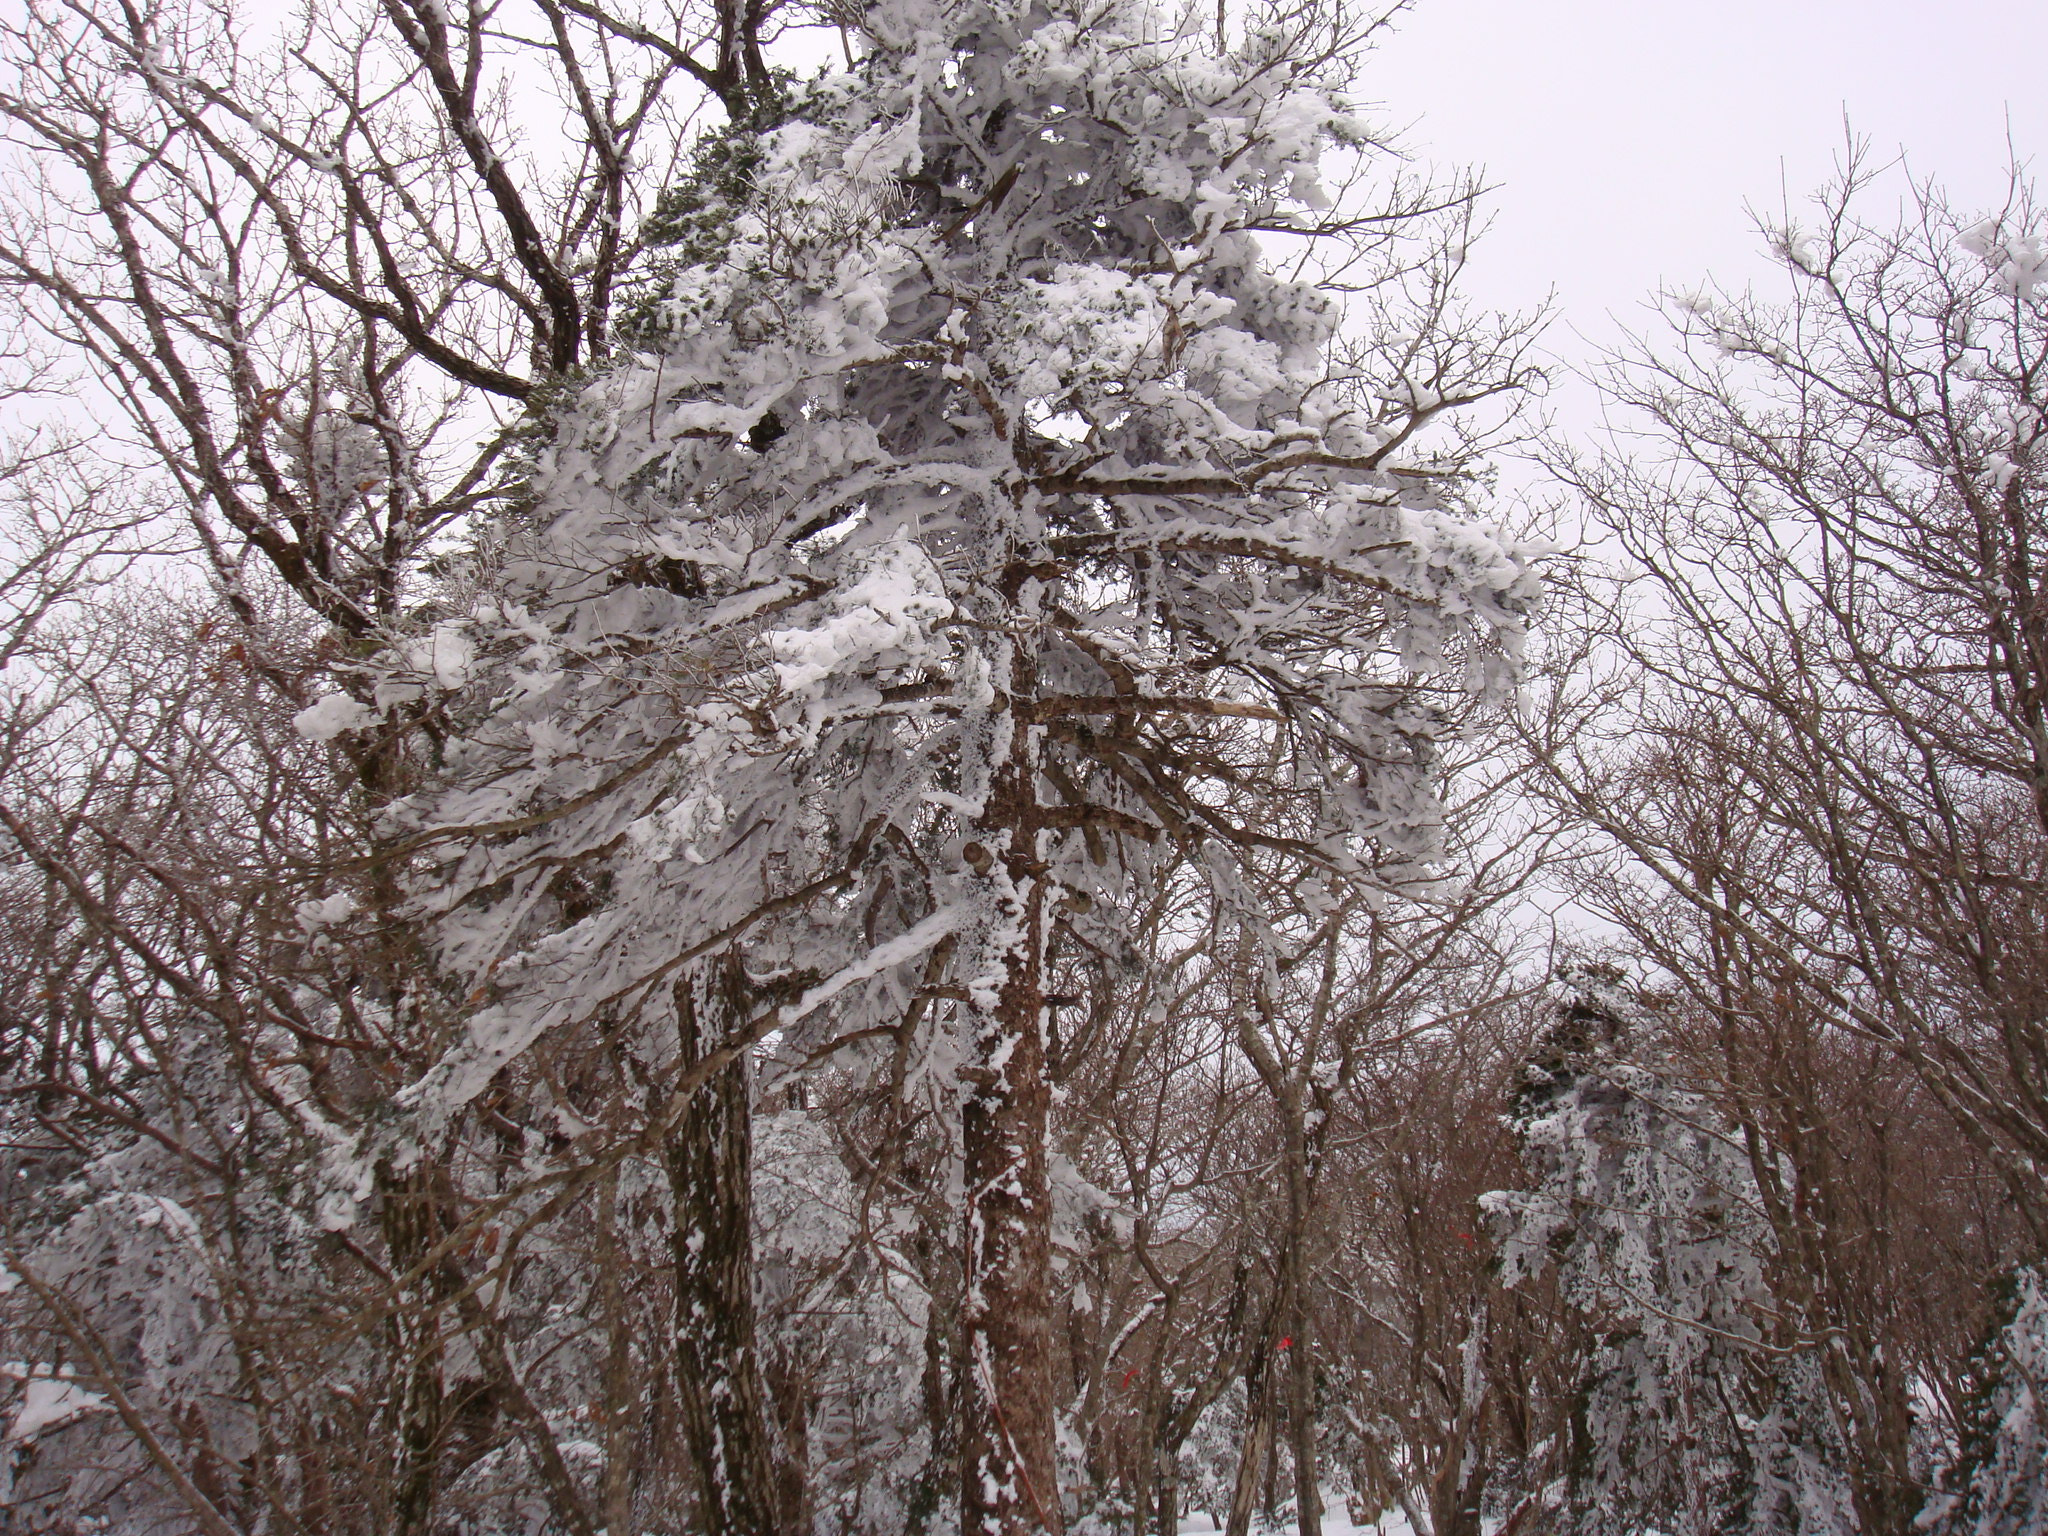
(1845, 536)
(319, 276)
(1830, 777)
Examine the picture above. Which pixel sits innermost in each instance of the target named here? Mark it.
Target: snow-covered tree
(1696, 1411)
(1999, 1484)
(982, 515)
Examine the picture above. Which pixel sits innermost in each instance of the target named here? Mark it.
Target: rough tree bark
(1009, 1479)
(717, 1359)
(417, 1409)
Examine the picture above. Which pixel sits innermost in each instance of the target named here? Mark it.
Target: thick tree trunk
(1454, 1497)
(1166, 1487)
(718, 1364)
(1009, 1483)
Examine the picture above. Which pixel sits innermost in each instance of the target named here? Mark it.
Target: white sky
(1626, 138)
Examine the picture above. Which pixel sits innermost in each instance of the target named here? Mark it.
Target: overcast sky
(1626, 138)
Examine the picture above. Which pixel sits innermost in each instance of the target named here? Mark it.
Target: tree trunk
(1258, 1447)
(1301, 1390)
(621, 1381)
(1166, 1485)
(718, 1366)
(1455, 1491)
(1290, 1305)
(1454, 1499)
(1301, 1429)
(932, 1494)
(1177, 1422)
(1009, 1480)
(789, 1382)
(418, 1401)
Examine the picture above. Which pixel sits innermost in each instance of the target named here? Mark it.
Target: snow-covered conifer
(982, 515)
(1697, 1415)
(1999, 1486)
